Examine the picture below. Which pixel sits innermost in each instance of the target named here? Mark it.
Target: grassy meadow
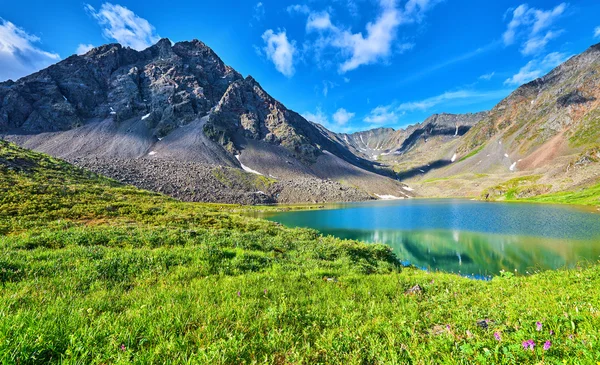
(93, 272)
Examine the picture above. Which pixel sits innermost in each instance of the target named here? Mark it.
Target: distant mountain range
(174, 118)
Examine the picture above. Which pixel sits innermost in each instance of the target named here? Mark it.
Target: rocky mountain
(118, 107)
(377, 143)
(543, 137)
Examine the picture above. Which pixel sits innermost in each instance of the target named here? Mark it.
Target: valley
(157, 206)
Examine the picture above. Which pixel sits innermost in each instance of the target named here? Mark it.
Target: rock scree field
(96, 272)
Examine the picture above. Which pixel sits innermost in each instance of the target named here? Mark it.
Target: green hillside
(94, 272)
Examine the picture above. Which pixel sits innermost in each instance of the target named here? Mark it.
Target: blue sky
(347, 64)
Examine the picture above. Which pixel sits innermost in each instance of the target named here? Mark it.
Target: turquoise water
(469, 237)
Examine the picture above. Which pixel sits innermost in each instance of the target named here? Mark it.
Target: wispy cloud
(451, 61)
(259, 11)
(341, 119)
(83, 48)
(383, 114)
(597, 32)
(317, 117)
(328, 85)
(390, 114)
(533, 27)
(298, 8)
(487, 77)
(376, 44)
(319, 22)
(537, 68)
(342, 116)
(19, 55)
(124, 26)
(280, 51)
(459, 97)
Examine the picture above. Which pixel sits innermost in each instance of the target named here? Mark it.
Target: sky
(347, 64)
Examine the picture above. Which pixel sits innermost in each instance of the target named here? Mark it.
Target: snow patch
(506, 155)
(113, 113)
(422, 171)
(151, 153)
(388, 197)
(246, 168)
(146, 116)
(453, 158)
(64, 97)
(513, 166)
(456, 132)
(408, 188)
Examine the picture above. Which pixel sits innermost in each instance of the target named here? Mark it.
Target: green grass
(472, 153)
(92, 272)
(519, 188)
(587, 196)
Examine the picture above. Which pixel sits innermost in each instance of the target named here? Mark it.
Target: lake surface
(468, 237)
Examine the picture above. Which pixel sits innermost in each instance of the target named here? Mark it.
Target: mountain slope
(180, 102)
(547, 131)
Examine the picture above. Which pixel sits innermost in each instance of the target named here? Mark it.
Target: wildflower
(538, 325)
(265, 291)
(497, 336)
(547, 345)
(123, 348)
(529, 344)
(239, 293)
(551, 333)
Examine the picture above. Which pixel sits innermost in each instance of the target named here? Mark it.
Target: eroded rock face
(170, 84)
(167, 86)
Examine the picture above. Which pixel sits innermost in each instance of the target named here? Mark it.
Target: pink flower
(529, 344)
(123, 348)
(239, 293)
(497, 336)
(538, 325)
(547, 345)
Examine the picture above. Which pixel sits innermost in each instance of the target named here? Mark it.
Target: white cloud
(597, 32)
(383, 114)
(374, 45)
(346, 80)
(537, 44)
(19, 55)
(531, 24)
(297, 8)
(319, 22)
(83, 48)
(317, 117)
(536, 68)
(342, 116)
(259, 11)
(466, 96)
(122, 25)
(279, 50)
(487, 77)
(328, 85)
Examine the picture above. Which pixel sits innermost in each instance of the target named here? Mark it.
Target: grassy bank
(587, 196)
(95, 272)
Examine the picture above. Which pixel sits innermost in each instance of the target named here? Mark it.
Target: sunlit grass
(92, 272)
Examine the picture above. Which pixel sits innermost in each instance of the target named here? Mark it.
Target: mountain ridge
(175, 102)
